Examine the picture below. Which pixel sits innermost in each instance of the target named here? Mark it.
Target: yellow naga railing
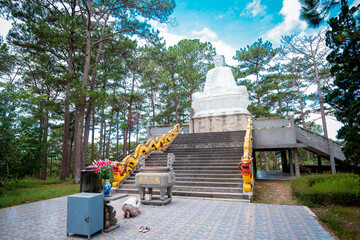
(245, 164)
(130, 162)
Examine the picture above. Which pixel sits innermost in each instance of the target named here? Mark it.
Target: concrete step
(194, 164)
(205, 171)
(194, 160)
(206, 165)
(194, 183)
(205, 153)
(221, 195)
(197, 156)
(198, 179)
(202, 175)
(193, 188)
(206, 177)
(202, 150)
(211, 137)
(200, 161)
(220, 168)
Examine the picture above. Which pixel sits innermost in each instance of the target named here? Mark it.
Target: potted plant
(104, 169)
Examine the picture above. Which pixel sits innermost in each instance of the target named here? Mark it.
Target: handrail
(130, 162)
(245, 164)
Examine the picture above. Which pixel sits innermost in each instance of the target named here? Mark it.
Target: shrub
(341, 189)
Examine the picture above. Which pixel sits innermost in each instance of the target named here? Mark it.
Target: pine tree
(252, 60)
(344, 40)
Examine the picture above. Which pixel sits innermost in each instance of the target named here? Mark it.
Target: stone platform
(221, 123)
(184, 218)
(155, 200)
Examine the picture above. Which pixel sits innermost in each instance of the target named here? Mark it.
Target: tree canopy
(344, 40)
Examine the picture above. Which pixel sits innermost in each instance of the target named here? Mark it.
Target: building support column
(253, 155)
(332, 158)
(284, 162)
(290, 151)
(319, 164)
(297, 166)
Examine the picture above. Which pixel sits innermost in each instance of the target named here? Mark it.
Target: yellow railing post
(245, 164)
(130, 162)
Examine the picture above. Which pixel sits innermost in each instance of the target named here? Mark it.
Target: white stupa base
(219, 123)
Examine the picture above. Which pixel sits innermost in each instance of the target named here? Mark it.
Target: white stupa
(222, 106)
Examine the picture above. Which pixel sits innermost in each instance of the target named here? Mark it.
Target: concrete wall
(276, 132)
(224, 123)
(154, 132)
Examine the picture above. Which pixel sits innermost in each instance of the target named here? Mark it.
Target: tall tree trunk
(65, 161)
(266, 161)
(43, 170)
(90, 103)
(129, 118)
(280, 108)
(125, 137)
(129, 141)
(70, 153)
(85, 143)
(191, 109)
(302, 114)
(175, 100)
(260, 161)
(275, 162)
(117, 137)
(80, 105)
(137, 126)
(101, 132)
(93, 136)
(258, 86)
(104, 141)
(321, 100)
(152, 105)
(109, 135)
(65, 170)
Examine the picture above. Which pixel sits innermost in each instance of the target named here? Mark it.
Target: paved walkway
(184, 218)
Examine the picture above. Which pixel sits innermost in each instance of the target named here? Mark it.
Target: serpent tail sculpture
(245, 164)
(130, 162)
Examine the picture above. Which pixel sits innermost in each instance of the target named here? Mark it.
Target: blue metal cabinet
(85, 213)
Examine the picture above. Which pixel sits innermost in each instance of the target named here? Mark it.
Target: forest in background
(72, 68)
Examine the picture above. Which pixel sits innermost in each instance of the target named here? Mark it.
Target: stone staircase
(206, 165)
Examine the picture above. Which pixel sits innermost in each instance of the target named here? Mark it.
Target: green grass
(344, 221)
(334, 198)
(327, 189)
(348, 183)
(31, 190)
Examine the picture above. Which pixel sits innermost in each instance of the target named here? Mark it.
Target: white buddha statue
(220, 76)
(221, 95)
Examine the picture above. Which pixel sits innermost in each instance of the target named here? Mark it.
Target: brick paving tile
(183, 218)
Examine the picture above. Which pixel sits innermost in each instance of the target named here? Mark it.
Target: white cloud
(355, 3)
(222, 48)
(254, 8)
(206, 32)
(170, 38)
(291, 13)
(225, 49)
(205, 35)
(333, 125)
(4, 27)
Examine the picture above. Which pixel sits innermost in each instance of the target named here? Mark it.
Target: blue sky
(233, 24)
(229, 24)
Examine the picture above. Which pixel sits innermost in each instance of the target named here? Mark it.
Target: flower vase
(107, 188)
